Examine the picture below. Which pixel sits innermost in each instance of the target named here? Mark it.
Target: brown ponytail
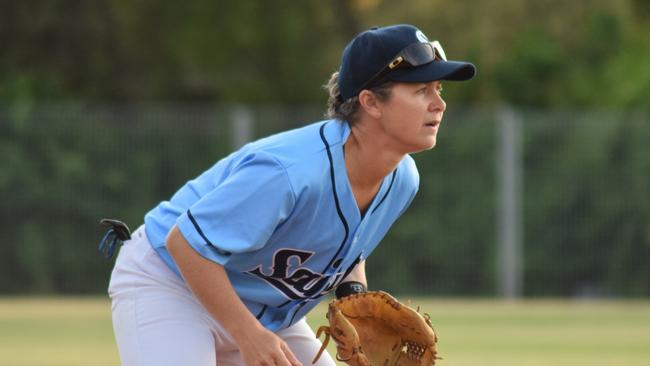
(346, 110)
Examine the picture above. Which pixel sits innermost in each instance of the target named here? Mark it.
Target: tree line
(550, 53)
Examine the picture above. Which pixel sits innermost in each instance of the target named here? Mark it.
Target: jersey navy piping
(259, 316)
(336, 198)
(198, 229)
(392, 179)
(339, 212)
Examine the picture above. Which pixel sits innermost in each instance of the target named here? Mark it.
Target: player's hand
(261, 347)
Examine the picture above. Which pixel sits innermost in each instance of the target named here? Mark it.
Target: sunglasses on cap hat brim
(413, 55)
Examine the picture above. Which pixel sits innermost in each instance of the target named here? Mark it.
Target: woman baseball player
(225, 271)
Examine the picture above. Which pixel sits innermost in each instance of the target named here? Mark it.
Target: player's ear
(370, 103)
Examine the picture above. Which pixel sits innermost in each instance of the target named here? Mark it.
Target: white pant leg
(156, 319)
(302, 341)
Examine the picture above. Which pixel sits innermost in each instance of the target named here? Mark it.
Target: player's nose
(437, 104)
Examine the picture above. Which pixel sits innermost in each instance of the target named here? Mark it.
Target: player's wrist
(350, 288)
(247, 332)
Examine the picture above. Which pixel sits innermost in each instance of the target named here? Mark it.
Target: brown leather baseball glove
(374, 329)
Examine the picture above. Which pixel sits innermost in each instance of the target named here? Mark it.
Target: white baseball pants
(158, 322)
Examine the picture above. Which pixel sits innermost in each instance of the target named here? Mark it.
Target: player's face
(412, 115)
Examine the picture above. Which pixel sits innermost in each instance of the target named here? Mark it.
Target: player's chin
(429, 140)
(429, 137)
(431, 145)
(427, 143)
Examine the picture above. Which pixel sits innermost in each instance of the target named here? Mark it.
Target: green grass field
(77, 331)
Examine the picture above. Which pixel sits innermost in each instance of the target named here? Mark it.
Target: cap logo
(421, 37)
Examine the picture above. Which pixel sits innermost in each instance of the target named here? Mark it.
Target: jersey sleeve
(241, 213)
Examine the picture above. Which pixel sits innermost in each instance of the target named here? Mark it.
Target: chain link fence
(561, 207)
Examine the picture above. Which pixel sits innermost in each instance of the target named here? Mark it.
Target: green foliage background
(108, 106)
(542, 53)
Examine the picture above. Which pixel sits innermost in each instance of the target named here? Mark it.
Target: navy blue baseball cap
(395, 53)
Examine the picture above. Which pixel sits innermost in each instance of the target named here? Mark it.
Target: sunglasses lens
(418, 54)
(438, 49)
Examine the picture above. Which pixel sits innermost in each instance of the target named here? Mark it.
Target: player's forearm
(210, 284)
(358, 274)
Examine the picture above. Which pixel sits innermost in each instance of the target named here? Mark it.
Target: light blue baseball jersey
(280, 216)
